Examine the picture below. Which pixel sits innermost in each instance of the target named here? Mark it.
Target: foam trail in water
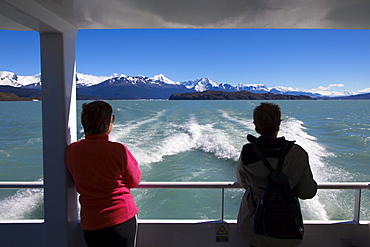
(121, 130)
(21, 205)
(247, 123)
(238, 128)
(156, 141)
(318, 207)
(211, 140)
(136, 134)
(4, 154)
(293, 129)
(150, 140)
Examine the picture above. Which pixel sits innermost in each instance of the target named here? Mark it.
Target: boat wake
(211, 146)
(24, 204)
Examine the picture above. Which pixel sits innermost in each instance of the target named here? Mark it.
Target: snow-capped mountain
(9, 79)
(256, 88)
(134, 87)
(83, 80)
(117, 86)
(204, 84)
(162, 78)
(201, 84)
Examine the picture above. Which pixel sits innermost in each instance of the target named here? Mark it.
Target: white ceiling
(61, 15)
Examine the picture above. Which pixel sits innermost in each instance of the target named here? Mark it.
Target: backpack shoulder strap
(265, 161)
(282, 156)
(268, 165)
(263, 158)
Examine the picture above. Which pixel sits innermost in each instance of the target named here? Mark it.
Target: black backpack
(278, 213)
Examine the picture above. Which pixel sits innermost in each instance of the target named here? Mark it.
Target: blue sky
(331, 60)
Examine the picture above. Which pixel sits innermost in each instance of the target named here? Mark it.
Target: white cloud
(322, 88)
(332, 93)
(336, 85)
(325, 90)
(365, 90)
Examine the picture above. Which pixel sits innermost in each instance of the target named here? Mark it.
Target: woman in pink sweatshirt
(104, 172)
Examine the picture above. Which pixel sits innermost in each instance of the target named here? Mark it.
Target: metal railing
(357, 186)
(21, 185)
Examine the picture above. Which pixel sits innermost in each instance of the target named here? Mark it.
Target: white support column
(59, 129)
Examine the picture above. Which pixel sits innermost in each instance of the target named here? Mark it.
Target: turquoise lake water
(200, 141)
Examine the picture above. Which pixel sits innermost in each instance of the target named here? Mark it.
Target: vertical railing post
(222, 203)
(356, 216)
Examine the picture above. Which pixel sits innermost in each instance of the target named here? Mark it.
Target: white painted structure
(58, 22)
(193, 232)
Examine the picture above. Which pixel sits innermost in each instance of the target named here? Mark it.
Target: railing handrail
(344, 185)
(21, 185)
(194, 185)
(357, 186)
(187, 185)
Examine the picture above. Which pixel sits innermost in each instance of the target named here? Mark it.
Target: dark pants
(122, 235)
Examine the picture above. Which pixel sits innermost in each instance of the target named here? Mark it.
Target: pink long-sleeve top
(103, 172)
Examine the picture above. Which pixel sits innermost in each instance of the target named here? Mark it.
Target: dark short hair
(96, 117)
(267, 118)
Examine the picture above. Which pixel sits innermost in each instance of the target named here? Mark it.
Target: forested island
(13, 97)
(241, 95)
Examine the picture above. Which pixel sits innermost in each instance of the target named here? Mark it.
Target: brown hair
(96, 117)
(267, 118)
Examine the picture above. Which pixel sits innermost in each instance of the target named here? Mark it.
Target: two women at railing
(104, 172)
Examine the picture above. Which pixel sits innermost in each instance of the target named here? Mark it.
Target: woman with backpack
(252, 174)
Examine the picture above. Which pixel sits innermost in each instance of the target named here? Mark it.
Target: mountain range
(138, 87)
